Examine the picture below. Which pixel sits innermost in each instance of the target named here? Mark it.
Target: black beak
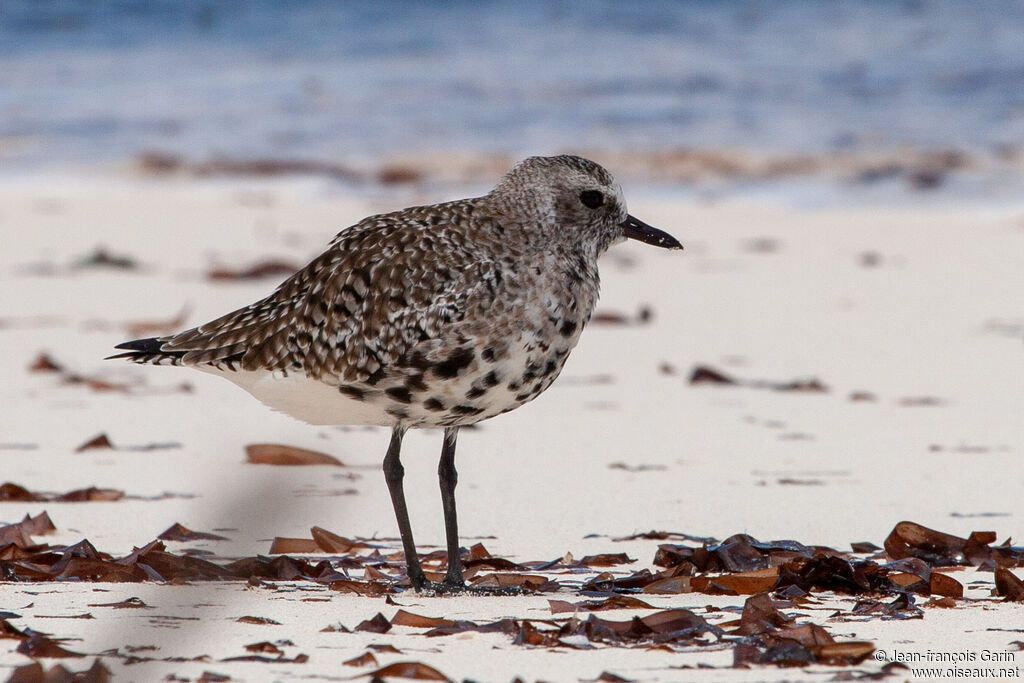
(638, 230)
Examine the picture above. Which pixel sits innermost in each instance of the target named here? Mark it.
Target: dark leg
(393, 474)
(449, 478)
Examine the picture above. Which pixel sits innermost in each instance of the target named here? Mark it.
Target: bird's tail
(148, 351)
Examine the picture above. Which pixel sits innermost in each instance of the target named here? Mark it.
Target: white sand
(940, 317)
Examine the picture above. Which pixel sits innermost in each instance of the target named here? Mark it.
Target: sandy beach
(876, 355)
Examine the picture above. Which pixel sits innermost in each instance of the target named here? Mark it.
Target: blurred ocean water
(104, 80)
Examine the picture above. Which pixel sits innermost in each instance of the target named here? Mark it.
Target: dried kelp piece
(297, 659)
(636, 468)
(779, 652)
(506, 626)
(39, 525)
(90, 495)
(264, 647)
(9, 631)
(919, 401)
(614, 602)
(44, 363)
(496, 563)
(177, 532)
(810, 385)
(80, 561)
(211, 676)
(908, 539)
(846, 653)
(279, 454)
(655, 535)
(606, 560)
(415, 670)
(977, 551)
(127, 603)
(39, 646)
(184, 568)
(281, 659)
(672, 585)
(365, 659)
(702, 374)
(283, 568)
(902, 607)
(333, 543)
(761, 616)
(939, 549)
(644, 315)
(98, 441)
(529, 634)
(478, 551)
(808, 635)
(738, 553)
(943, 603)
(531, 582)
(100, 257)
(665, 626)
(364, 588)
(263, 269)
(910, 583)
(29, 673)
(799, 646)
(281, 546)
(608, 677)
(13, 535)
(404, 618)
(258, 621)
(15, 492)
(378, 624)
(835, 573)
(864, 547)
(917, 568)
(680, 623)
(741, 583)
(96, 384)
(606, 582)
(1008, 585)
(945, 585)
(1003, 555)
(778, 548)
(386, 648)
(33, 673)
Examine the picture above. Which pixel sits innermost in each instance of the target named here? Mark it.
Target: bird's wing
(384, 287)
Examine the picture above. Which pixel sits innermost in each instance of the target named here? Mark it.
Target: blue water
(100, 80)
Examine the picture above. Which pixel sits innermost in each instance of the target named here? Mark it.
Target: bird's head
(578, 199)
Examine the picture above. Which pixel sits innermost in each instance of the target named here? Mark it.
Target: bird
(437, 316)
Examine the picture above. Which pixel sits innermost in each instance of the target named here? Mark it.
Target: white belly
(306, 399)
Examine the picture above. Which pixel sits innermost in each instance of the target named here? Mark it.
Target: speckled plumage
(433, 316)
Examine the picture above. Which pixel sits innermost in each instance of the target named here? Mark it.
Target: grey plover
(433, 317)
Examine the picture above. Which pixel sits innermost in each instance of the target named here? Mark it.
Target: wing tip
(149, 350)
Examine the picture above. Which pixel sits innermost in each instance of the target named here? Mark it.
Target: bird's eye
(591, 198)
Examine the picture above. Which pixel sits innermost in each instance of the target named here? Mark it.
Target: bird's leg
(449, 477)
(393, 474)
